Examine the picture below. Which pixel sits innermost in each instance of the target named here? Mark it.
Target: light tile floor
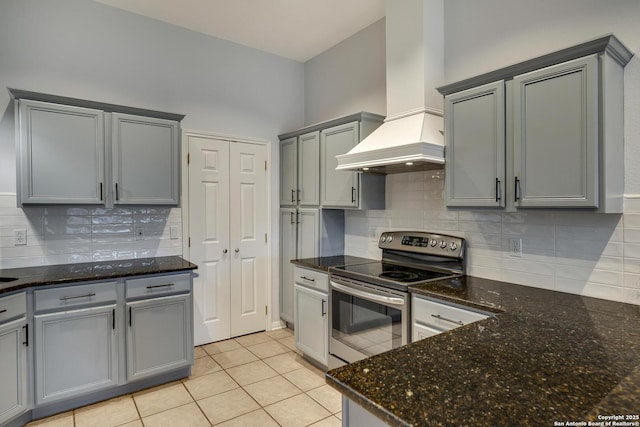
(255, 380)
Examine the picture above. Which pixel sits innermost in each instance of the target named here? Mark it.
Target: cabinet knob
(236, 250)
(224, 251)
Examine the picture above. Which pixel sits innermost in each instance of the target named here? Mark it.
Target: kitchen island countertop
(59, 274)
(544, 357)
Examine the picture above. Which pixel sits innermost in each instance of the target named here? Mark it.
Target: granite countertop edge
(524, 320)
(60, 274)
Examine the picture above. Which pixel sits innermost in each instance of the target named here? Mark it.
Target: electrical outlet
(139, 233)
(173, 232)
(20, 237)
(515, 247)
(373, 234)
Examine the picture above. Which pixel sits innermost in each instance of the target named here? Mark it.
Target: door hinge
(266, 310)
(265, 165)
(265, 237)
(188, 158)
(189, 241)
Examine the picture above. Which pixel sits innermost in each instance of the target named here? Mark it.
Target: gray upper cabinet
(559, 129)
(288, 171)
(61, 153)
(338, 188)
(300, 170)
(475, 146)
(74, 151)
(555, 135)
(308, 176)
(309, 169)
(146, 160)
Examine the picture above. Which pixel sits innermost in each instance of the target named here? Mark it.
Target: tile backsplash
(69, 234)
(582, 253)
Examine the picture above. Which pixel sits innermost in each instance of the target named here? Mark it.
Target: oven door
(365, 320)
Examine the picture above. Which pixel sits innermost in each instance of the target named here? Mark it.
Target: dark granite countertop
(323, 263)
(544, 356)
(69, 273)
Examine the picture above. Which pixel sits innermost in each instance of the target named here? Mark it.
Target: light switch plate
(173, 232)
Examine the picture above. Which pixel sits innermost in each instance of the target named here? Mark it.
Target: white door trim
(184, 202)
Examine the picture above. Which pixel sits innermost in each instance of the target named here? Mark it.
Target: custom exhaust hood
(411, 137)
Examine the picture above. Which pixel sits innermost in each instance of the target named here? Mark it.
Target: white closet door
(248, 226)
(209, 233)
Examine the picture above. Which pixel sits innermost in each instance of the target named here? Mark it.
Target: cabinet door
(288, 171)
(475, 147)
(555, 137)
(76, 352)
(308, 233)
(159, 336)
(146, 163)
(309, 169)
(312, 327)
(13, 370)
(338, 188)
(288, 227)
(61, 154)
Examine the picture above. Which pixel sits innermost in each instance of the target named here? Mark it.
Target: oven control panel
(423, 243)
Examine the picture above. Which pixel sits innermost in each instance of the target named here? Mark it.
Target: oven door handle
(366, 295)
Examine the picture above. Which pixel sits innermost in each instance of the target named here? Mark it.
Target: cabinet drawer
(311, 278)
(146, 287)
(442, 315)
(13, 306)
(74, 296)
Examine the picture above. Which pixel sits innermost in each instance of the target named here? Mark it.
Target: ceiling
(295, 29)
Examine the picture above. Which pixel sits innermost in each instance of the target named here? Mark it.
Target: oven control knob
(383, 238)
(443, 244)
(433, 242)
(453, 246)
(389, 239)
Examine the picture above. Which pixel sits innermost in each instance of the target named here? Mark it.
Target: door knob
(224, 251)
(237, 250)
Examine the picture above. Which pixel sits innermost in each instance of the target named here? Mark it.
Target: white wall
(84, 49)
(348, 78)
(582, 253)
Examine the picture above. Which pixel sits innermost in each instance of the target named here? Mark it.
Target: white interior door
(209, 233)
(249, 223)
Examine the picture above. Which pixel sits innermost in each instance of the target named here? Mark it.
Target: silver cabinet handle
(167, 285)
(324, 312)
(293, 215)
(293, 195)
(224, 251)
(79, 296)
(298, 192)
(457, 322)
(353, 194)
(516, 190)
(236, 250)
(369, 296)
(498, 196)
(308, 278)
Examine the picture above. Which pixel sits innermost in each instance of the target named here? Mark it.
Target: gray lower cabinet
(14, 389)
(158, 336)
(311, 297)
(76, 352)
(61, 153)
(146, 160)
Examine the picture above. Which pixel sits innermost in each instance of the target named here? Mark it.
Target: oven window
(368, 327)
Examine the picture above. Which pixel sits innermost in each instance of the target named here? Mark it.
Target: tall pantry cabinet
(313, 195)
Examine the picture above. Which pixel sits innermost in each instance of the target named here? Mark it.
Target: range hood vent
(405, 143)
(411, 137)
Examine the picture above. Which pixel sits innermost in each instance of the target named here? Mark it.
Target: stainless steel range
(369, 304)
